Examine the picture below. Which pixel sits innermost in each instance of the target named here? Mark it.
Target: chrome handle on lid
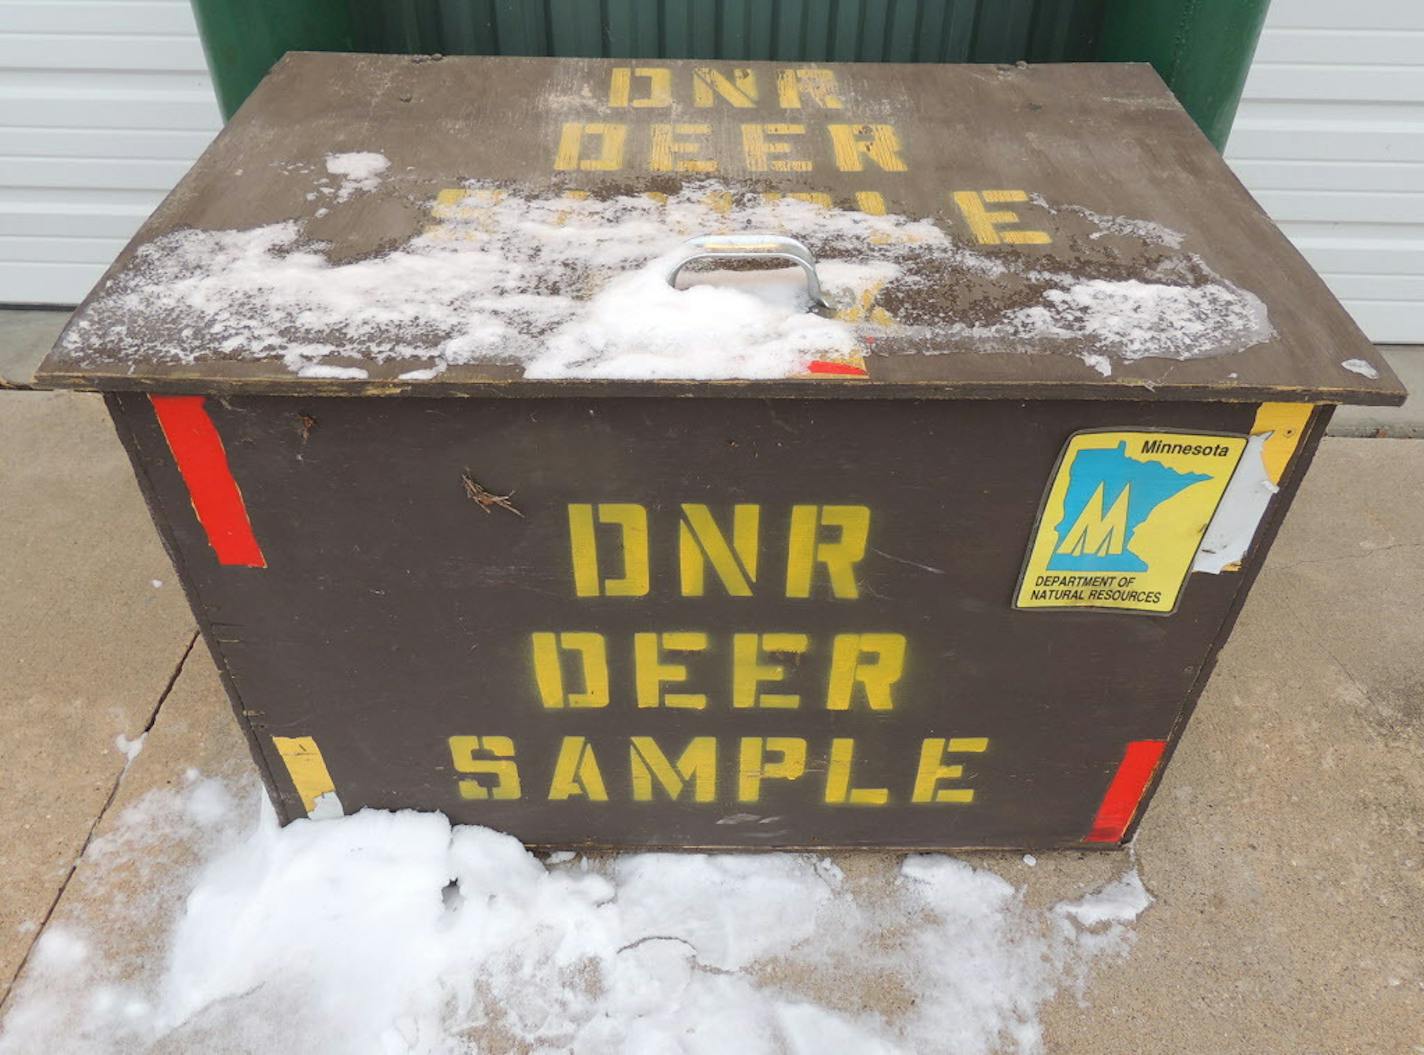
(751, 247)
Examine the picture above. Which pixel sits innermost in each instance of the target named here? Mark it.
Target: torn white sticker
(327, 807)
(1234, 524)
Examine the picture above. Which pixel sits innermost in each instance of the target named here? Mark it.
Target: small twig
(485, 497)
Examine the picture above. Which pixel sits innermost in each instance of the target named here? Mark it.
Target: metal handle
(750, 247)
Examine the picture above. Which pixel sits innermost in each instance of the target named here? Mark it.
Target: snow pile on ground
(389, 933)
(574, 286)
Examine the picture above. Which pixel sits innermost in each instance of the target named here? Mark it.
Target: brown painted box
(484, 508)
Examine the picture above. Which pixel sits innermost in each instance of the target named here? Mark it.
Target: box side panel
(152, 459)
(677, 623)
(1251, 566)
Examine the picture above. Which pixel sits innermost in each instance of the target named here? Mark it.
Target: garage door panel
(1256, 140)
(133, 110)
(1307, 174)
(1345, 14)
(1330, 140)
(1332, 256)
(1389, 322)
(1319, 206)
(86, 173)
(1369, 47)
(1332, 115)
(1353, 81)
(1378, 287)
(100, 83)
(163, 144)
(28, 282)
(103, 106)
(83, 51)
(80, 219)
(52, 249)
(166, 17)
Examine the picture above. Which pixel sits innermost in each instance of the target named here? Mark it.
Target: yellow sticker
(1123, 517)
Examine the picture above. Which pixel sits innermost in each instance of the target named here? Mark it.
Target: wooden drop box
(953, 575)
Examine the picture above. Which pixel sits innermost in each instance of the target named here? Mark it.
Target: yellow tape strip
(1286, 423)
(306, 767)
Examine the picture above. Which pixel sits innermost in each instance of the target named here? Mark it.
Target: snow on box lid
(385, 225)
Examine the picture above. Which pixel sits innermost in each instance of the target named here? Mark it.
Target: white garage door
(1330, 140)
(103, 106)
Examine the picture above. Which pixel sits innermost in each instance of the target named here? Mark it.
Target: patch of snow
(360, 172)
(1134, 319)
(1101, 363)
(208, 803)
(425, 373)
(574, 287)
(130, 748)
(1121, 901)
(59, 949)
(355, 373)
(1359, 366)
(1146, 230)
(744, 324)
(396, 932)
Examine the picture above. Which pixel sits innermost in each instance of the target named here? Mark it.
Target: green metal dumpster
(1201, 49)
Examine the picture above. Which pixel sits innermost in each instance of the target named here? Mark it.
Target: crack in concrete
(697, 964)
(659, 937)
(1310, 632)
(1350, 556)
(94, 826)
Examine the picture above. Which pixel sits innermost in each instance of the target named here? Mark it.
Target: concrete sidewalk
(1285, 848)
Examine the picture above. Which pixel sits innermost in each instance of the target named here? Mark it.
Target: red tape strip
(822, 366)
(216, 498)
(1125, 792)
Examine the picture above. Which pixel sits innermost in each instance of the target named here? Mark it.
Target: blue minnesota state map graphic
(1109, 496)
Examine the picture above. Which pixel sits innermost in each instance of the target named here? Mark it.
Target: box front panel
(675, 622)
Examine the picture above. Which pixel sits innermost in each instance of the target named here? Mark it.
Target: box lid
(388, 225)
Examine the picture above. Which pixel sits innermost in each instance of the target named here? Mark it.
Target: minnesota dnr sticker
(1123, 517)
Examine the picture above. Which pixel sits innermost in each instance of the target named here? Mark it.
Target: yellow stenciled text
(708, 770)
